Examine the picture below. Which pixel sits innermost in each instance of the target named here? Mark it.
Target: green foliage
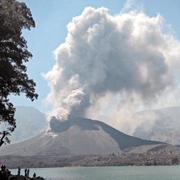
(14, 17)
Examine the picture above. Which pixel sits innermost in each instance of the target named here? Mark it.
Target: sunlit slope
(77, 136)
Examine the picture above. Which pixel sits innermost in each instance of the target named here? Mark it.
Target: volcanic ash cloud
(126, 54)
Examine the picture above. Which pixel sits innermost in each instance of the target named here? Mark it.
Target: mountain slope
(164, 127)
(77, 136)
(29, 121)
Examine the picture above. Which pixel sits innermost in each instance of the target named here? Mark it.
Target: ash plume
(128, 56)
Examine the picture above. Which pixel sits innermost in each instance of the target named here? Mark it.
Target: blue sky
(52, 17)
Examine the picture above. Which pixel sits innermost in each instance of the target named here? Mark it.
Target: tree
(14, 17)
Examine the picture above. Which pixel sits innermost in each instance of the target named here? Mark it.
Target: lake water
(110, 173)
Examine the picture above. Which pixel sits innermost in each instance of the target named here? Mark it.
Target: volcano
(76, 136)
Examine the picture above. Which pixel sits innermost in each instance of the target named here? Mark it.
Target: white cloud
(127, 56)
(132, 5)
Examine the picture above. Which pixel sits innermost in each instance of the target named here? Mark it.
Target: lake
(110, 173)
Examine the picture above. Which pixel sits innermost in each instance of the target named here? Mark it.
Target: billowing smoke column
(126, 54)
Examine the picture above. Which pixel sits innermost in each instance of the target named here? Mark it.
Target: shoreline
(13, 162)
